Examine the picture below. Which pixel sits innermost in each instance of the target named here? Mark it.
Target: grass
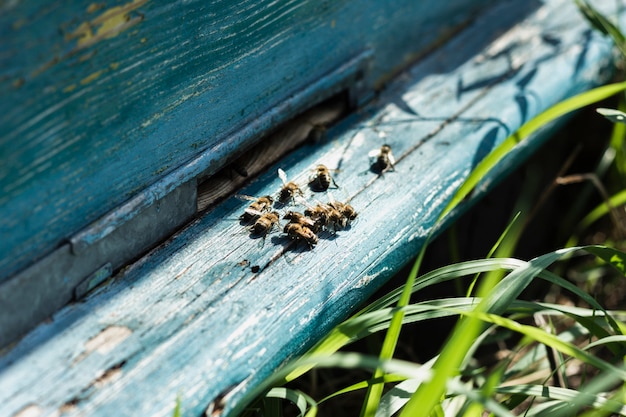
(553, 359)
(483, 391)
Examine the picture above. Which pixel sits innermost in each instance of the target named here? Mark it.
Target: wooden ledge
(193, 319)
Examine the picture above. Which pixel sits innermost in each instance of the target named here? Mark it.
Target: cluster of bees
(305, 227)
(300, 227)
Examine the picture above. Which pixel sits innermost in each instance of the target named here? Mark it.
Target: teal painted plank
(101, 100)
(192, 319)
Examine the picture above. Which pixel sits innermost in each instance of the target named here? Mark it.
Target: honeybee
(257, 208)
(300, 233)
(322, 179)
(383, 159)
(319, 214)
(346, 210)
(289, 189)
(265, 223)
(335, 219)
(325, 217)
(299, 218)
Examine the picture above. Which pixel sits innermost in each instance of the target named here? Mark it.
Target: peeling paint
(94, 7)
(109, 375)
(31, 410)
(107, 340)
(18, 83)
(45, 66)
(91, 77)
(18, 24)
(107, 25)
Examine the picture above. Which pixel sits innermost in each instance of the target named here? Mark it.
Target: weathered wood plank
(88, 89)
(193, 319)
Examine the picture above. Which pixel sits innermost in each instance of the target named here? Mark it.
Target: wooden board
(193, 319)
(102, 100)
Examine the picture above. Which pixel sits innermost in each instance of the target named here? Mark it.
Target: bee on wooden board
(335, 220)
(258, 206)
(346, 210)
(326, 217)
(319, 214)
(322, 179)
(299, 218)
(300, 233)
(382, 159)
(265, 223)
(289, 190)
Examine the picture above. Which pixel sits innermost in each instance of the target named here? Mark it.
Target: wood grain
(101, 100)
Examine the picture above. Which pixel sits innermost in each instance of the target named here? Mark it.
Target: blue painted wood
(101, 100)
(192, 319)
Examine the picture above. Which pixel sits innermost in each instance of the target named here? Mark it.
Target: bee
(322, 179)
(289, 189)
(383, 159)
(265, 223)
(325, 217)
(335, 219)
(300, 233)
(256, 208)
(346, 210)
(301, 219)
(319, 214)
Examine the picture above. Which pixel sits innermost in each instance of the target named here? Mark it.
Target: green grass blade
(613, 257)
(618, 140)
(377, 314)
(364, 384)
(375, 391)
(549, 340)
(506, 252)
(602, 24)
(177, 409)
(446, 273)
(613, 115)
(300, 399)
(428, 396)
(597, 213)
(606, 340)
(552, 113)
(565, 395)
(450, 359)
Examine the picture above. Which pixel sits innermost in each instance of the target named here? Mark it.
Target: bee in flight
(256, 208)
(289, 190)
(300, 233)
(382, 159)
(265, 223)
(322, 179)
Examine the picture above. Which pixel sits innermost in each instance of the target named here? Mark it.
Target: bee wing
(282, 176)
(392, 160)
(302, 201)
(253, 212)
(245, 197)
(374, 153)
(308, 221)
